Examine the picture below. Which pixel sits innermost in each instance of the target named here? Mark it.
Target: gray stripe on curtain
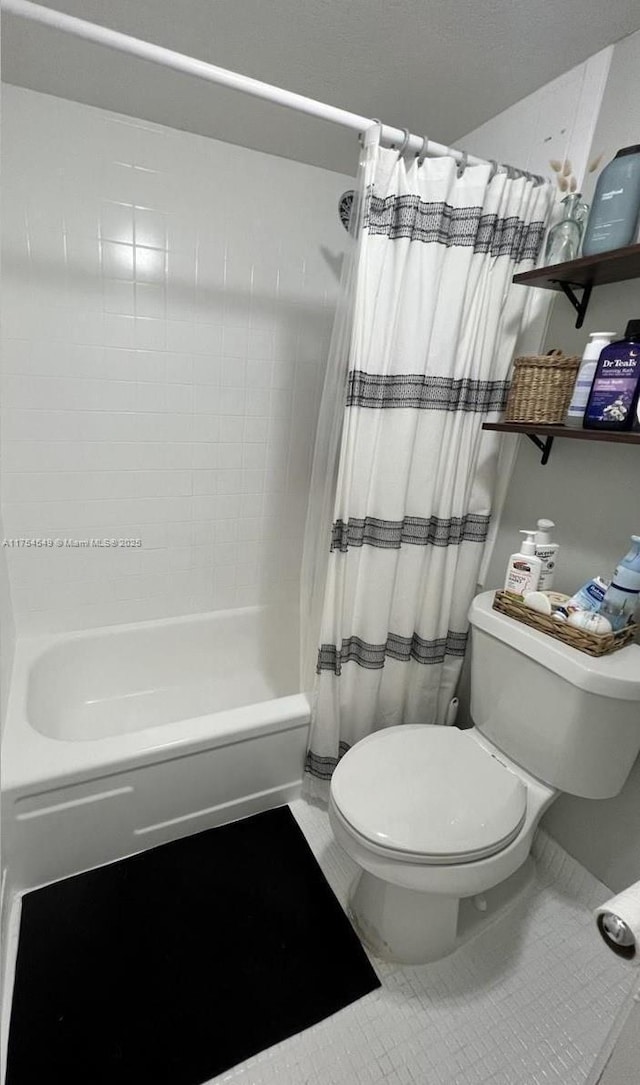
(411, 531)
(424, 392)
(372, 656)
(323, 767)
(410, 217)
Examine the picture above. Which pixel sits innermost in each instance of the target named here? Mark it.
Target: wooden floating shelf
(623, 437)
(606, 267)
(534, 431)
(616, 266)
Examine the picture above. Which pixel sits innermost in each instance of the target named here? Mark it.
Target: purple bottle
(614, 393)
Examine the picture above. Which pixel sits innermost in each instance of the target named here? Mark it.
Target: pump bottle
(524, 568)
(547, 551)
(623, 595)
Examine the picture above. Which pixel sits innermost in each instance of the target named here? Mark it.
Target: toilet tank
(568, 718)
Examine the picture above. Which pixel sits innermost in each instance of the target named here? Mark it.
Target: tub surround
(167, 305)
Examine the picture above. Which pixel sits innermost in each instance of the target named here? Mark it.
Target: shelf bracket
(542, 446)
(580, 304)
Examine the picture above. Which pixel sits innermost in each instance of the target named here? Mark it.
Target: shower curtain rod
(157, 54)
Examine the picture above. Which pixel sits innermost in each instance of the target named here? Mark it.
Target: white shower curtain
(399, 515)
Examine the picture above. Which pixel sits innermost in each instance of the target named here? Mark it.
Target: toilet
(433, 815)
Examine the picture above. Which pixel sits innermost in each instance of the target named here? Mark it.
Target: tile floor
(529, 1001)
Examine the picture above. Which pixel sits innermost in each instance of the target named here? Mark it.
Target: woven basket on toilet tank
(594, 644)
(541, 388)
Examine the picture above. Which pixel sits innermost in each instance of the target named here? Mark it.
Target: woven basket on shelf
(541, 388)
(595, 644)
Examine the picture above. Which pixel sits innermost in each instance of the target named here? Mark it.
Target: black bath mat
(171, 966)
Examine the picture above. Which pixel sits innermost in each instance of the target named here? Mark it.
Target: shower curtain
(403, 473)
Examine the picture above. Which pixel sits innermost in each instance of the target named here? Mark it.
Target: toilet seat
(428, 794)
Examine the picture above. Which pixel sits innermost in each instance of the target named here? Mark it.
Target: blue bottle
(616, 203)
(621, 599)
(616, 385)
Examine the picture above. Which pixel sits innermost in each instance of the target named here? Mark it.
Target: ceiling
(439, 67)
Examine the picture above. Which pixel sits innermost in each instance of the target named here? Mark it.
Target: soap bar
(538, 600)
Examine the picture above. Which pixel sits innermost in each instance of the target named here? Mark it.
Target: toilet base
(403, 925)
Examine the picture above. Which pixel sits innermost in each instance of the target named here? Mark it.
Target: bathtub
(122, 738)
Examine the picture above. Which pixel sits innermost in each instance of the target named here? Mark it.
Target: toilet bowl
(434, 814)
(430, 815)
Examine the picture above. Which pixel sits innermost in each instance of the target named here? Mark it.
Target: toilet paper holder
(617, 934)
(618, 921)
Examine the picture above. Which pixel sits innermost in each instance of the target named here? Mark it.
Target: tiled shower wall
(167, 307)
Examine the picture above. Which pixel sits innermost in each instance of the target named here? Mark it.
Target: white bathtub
(125, 737)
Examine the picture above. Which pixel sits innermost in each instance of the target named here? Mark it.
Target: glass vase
(563, 242)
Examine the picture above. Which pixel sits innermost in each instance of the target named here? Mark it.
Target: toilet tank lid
(616, 675)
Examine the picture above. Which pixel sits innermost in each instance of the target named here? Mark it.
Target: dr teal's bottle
(614, 393)
(581, 389)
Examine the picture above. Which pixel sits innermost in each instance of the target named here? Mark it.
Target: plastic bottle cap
(542, 534)
(529, 544)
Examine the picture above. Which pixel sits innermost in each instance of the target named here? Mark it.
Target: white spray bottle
(524, 568)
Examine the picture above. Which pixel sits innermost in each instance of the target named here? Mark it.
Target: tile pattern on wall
(528, 1001)
(167, 307)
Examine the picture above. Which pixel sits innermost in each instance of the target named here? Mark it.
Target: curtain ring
(405, 141)
(424, 150)
(464, 161)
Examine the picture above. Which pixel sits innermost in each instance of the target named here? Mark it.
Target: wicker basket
(595, 644)
(541, 388)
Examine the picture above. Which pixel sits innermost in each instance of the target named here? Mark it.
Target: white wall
(7, 631)
(167, 306)
(555, 122)
(605, 836)
(591, 490)
(7, 625)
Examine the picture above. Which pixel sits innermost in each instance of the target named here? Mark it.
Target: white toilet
(435, 814)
